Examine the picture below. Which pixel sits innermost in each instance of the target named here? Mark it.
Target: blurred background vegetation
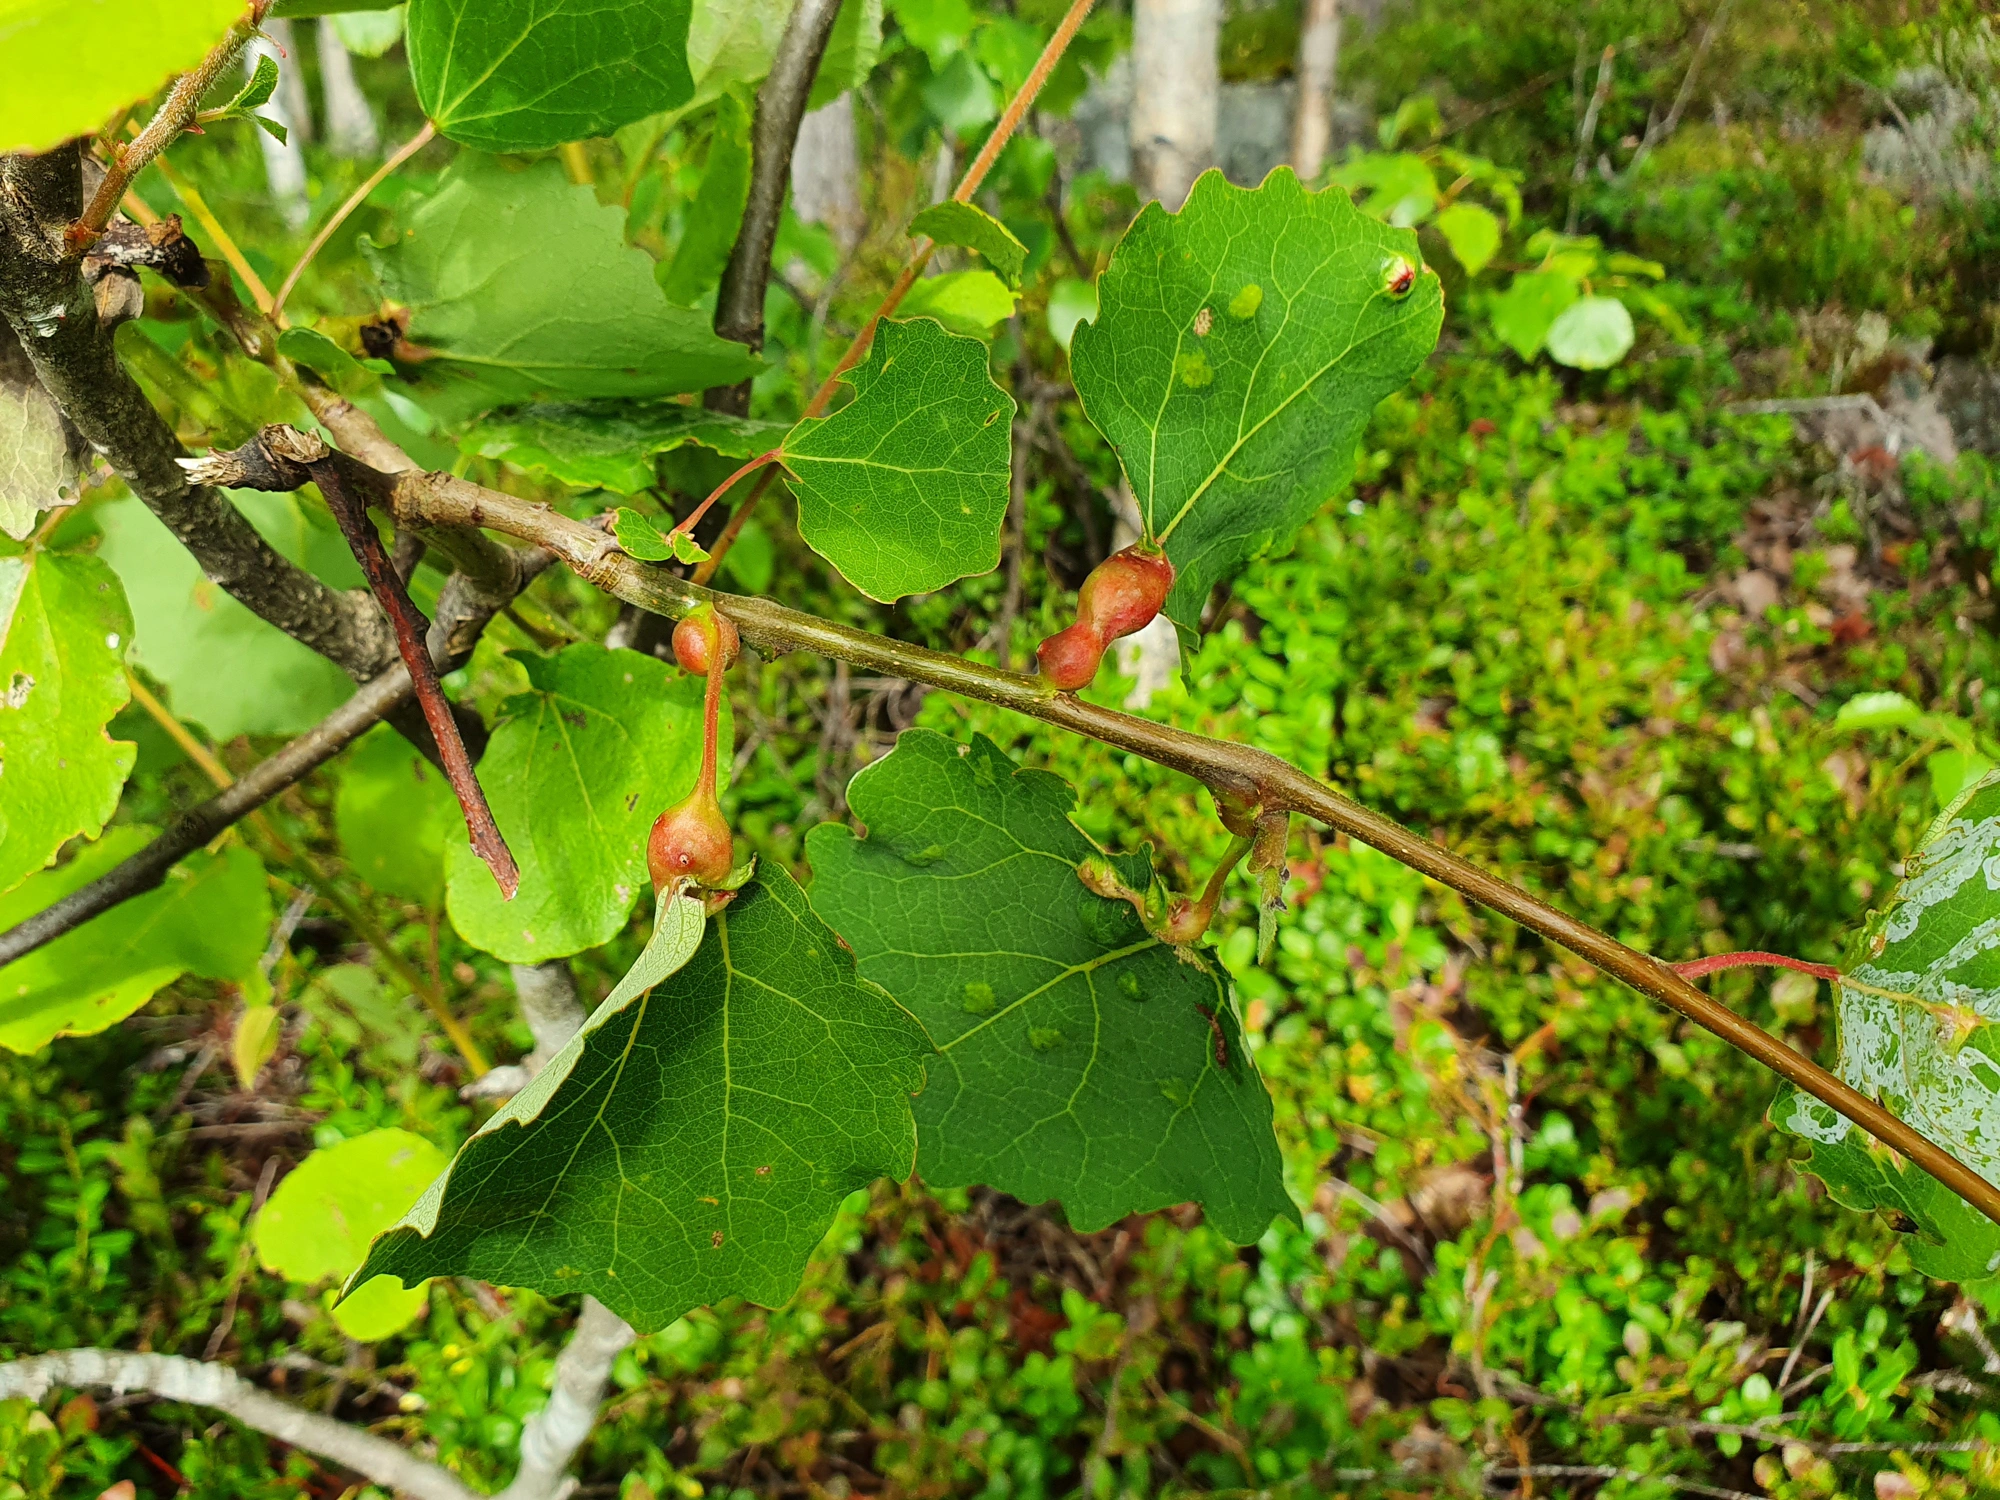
(1592, 626)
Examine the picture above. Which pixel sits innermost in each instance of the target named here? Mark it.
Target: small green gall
(1044, 1038)
(1128, 986)
(977, 999)
(1193, 370)
(1246, 302)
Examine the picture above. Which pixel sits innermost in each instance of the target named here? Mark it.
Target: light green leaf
(576, 771)
(717, 211)
(1077, 1059)
(611, 444)
(938, 28)
(1524, 312)
(371, 33)
(973, 228)
(850, 53)
(1398, 189)
(1877, 711)
(1473, 234)
(521, 282)
(39, 464)
(1239, 348)
(733, 41)
(1919, 1023)
(639, 537)
(525, 75)
(184, 624)
(318, 1223)
(1593, 333)
(695, 1139)
(211, 916)
(1070, 302)
(64, 629)
(1952, 771)
(393, 813)
(132, 46)
(325, 358)
(965, 302)
(904, 488)
(961, 98)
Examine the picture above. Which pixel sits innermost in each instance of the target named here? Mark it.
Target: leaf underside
(1239, 348)
(703, 1136)
(904, 488)
(611, 444)
(1077, 1056)
(1919, 1022)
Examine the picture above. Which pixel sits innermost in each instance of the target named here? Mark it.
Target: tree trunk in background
(350, 123)
(1175, 87)
(284, 161)
(826, 172)
(1319, 53)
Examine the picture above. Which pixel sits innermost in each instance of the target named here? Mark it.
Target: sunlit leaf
(1593, 333)
(1078, 1054)
(693, 1142)
(1523, 314)
(393, 813)
(64, 630)
(972, 228)
(1473, 234)
(904, 488)
(966, 302)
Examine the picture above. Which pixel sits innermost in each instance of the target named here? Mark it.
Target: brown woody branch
(44, 299)
(781, 104)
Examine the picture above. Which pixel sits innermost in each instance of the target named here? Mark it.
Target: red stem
(411, 628)
(711, 712)
(1694, 968)
(723, 488)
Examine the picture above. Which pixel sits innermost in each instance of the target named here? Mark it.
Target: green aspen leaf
(1397, 189)
(851, 50)
(694, 1140)
(1071, 302)
(611, 444)
(393, 813)
(961, 98)
(1234, 430)
(525, 75)
(639, 537)
(577, 769)
(1919, 1024)
(1593, 333)
(184, 624)
(1523, 314)
(371, 33)
(717, 211)
(71, 63)
(1077, 1060)
(972, 303)
(973, 228)
(63, 634)
(325, 358)
(211, 916)
(520, 284)
(258, 91)
(1473, 234)
(318, 1223)
(733, 41)
(904, 488)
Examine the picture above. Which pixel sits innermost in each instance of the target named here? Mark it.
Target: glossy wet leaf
(693, 1142)
(1919, 1024)
(320, 1219)
(184, 624)
(904, 488)
(525, 75)
(611, 444)
(521, 285)
(1077, 1057)
(394, 813)
(211, 916)
(1239, 348)
(577, 769)
(64, 629)
(132, 48)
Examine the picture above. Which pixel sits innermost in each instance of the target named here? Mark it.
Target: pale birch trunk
(1319, 54)
(350, 123)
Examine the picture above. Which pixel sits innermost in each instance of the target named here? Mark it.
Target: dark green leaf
(525, 75)
(717, 210)
(522, 283)
(972, 228)
(258, 91)
(1919, 1022)
(212, 917)
(611, 444)
(1078, 1057)
(693, 1142)
(64, 629)
(577, 770)
(904, 488)
(1239, 348)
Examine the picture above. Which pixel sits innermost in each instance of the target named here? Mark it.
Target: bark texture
(1319, 57)
(1176, 83)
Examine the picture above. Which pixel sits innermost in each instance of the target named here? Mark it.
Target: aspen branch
(550, 1438)
(172, 1378)
(1253, 777)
